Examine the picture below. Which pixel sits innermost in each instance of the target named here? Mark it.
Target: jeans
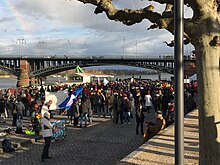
(126, 117)
(83, 117)
(137, 127)
(121, 117)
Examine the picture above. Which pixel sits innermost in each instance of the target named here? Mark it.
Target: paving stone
(106, 143)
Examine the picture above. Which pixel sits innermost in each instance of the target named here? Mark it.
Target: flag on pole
(78, 69)
(67, 103)
(99, 82)
(105, 81)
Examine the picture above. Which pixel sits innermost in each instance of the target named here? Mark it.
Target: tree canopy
(205, 12)
(203, 31)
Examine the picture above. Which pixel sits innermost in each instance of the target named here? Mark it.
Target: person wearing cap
(47, 133)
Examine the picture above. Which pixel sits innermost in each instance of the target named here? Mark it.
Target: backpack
(7, 146)
(19, 130)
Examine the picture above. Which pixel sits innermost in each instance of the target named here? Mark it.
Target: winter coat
(20, 107)
(117, 104)
(95, 99)
(110, 100)
(46, 127)
(74, 109)
(85, 106)
(2, 106)
(139, 113)
(127, 106)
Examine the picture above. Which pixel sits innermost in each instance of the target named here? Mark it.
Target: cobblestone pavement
(102, 143)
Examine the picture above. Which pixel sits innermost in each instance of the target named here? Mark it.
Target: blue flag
(67, 103)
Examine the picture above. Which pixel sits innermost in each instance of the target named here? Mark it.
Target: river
(11, 82)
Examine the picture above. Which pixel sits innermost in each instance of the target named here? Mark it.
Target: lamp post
(20, 41)
(124, 47)
(136, 44)
(67, 49)
(179, 85)
(41, 45)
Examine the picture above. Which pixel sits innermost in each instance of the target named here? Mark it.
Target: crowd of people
(121, 100)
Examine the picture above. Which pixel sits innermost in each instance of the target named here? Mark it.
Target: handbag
(14, 111)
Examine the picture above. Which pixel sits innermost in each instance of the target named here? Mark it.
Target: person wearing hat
(47, 133)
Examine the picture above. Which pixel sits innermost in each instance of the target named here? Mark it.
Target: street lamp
(67, 50)
(178, 83)
(20, 41)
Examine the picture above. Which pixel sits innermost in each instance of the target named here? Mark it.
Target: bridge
(31, 69)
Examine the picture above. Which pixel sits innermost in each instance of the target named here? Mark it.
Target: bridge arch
(9, 70)
(38, 67)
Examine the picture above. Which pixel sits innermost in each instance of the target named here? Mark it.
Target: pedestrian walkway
(108, 143)
(160, 149)
(104, 142)
(16, 139)
(19, 140)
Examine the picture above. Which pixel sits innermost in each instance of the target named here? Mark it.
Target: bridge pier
(35, 81)
(23, 79)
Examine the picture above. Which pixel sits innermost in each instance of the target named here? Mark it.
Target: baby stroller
(59, 131)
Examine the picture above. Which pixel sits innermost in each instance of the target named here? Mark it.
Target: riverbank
(6, 76)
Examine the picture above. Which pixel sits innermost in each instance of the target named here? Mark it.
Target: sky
(63, 27)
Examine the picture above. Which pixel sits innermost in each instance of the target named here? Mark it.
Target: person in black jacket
(2, 109)
(139, 117)
(117, 108)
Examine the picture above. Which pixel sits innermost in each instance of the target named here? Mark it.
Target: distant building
(88, 77)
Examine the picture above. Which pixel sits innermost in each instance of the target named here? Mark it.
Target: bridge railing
(49, 57)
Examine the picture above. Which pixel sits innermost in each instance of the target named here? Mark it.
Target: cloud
(71, 27)
(6, 19)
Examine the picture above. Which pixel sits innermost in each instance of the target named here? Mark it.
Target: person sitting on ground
(153, 128)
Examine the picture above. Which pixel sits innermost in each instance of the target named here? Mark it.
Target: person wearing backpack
(47, 133)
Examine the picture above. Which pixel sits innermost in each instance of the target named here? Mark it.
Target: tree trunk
(209, 101)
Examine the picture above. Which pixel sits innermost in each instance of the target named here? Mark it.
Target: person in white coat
(148, 101)
(47, 133)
